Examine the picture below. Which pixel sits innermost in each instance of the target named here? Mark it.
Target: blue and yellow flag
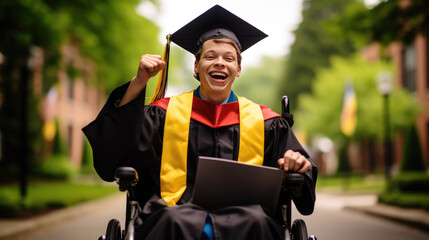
(348, 118)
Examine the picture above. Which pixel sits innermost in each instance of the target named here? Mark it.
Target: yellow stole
(176, 135)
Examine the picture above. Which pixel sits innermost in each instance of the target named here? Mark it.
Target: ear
(196, 66)
(239, 71)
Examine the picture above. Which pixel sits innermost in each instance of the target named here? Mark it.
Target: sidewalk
(367, 203)
(413, 217)
(16, 228)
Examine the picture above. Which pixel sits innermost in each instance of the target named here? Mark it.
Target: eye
(230, 59)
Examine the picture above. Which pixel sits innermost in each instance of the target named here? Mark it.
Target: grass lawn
(352, 184)
(45, 196)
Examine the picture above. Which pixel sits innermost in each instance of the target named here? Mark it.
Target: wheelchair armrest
(126, 178)
(292, 184)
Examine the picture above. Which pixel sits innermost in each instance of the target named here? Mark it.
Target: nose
(220, 61)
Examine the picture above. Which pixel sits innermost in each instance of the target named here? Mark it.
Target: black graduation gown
(132, 135)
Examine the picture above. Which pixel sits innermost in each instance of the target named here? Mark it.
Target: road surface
(329, 221)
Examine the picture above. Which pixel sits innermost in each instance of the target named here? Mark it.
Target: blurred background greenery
(61, 59)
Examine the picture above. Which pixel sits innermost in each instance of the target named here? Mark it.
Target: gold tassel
(163, 76)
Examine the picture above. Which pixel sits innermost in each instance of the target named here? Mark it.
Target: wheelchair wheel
(299, 230)
(113, 231)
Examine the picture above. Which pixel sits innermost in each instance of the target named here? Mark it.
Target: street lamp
(384, 83)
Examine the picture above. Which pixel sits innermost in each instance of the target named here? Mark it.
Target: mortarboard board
(215, 23)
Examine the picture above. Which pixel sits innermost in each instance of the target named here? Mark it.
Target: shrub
(57, 167)
(409, 190)
(410, 200)
(412, 158)
(87, 166)
(410, 182)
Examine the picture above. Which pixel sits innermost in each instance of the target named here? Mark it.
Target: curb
(416, 218)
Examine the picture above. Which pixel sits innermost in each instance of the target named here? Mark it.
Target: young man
(163, 140)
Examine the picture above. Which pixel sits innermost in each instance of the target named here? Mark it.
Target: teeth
(218, 74)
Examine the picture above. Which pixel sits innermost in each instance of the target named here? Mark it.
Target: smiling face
(217, 66)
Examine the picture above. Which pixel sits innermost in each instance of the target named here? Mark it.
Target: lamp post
(26, 73)
(384, 83)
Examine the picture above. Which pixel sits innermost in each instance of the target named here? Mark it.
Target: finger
(161, 65)
(152, 56)
(302, 165)
(286, 165)
(297, 163)
(281, 162)
(147, 66)
(151, 66)
(154, 59)
(287, 160)
(293, 165)
(305, 166)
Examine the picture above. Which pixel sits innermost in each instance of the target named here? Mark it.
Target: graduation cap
(215, 23)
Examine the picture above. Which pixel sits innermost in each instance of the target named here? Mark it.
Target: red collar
(214, 115)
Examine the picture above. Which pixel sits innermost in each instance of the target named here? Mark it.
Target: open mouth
(218, 75)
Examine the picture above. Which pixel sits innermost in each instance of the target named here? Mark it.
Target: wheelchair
(127, 179)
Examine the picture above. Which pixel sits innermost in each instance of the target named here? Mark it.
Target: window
(409, 67)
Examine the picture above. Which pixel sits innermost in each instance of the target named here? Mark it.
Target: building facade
(412, 68)
(79, 99)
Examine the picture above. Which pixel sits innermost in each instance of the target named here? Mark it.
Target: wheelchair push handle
(292, 184)
(286, 111)
(294, 179)
(126, 178)
(285, 105)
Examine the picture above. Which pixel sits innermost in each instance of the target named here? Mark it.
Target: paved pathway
(61, 223)
(91, 218)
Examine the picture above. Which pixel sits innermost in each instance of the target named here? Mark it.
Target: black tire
(299, 230)
(113, 231)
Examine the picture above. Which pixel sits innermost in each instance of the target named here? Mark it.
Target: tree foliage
(389, 21)
(313, 46)
(321, 110)
(110, 33)
(260, 84)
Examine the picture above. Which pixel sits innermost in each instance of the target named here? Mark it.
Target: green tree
(321, 110)
(313, 46)
(389, 21)
(110, 33)
(260, 84)
(23, 24)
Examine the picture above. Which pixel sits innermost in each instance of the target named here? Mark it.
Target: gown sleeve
(284, 139)
(118, 137)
